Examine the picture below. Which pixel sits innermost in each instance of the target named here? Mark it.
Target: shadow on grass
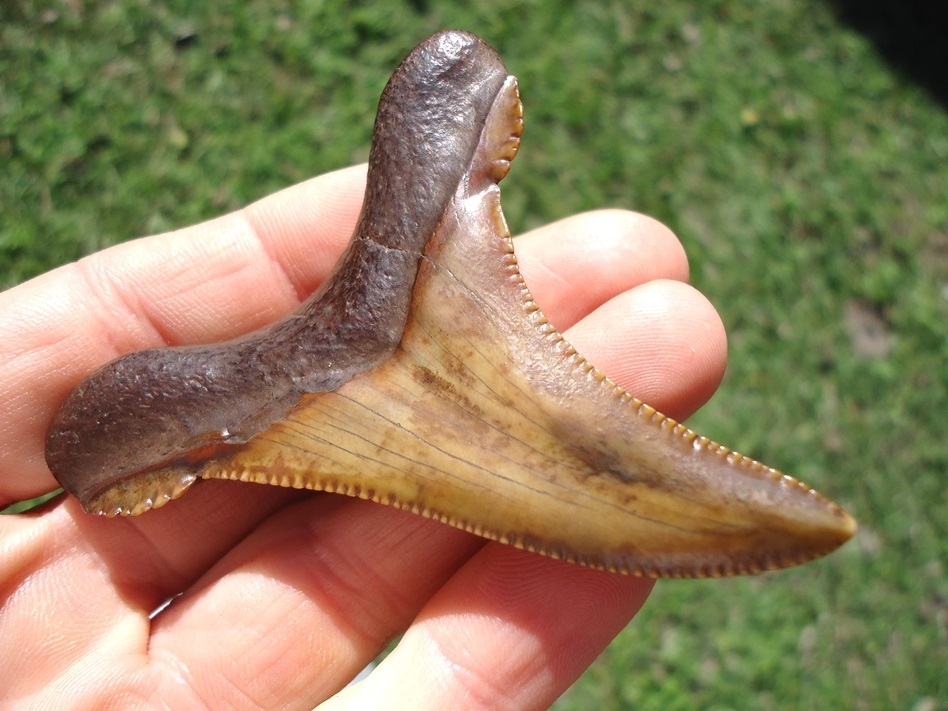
(910, 34)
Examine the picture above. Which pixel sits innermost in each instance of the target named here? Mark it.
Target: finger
(294, 613)
(662, 341)
(577, 264)
(77, 590)
(263, 628)
(511, 630)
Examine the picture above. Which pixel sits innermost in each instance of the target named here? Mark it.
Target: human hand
(284, 596)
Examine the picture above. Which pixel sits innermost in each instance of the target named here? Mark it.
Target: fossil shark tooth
(423, 375)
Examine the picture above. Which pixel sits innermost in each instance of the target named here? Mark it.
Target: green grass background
(805, 175)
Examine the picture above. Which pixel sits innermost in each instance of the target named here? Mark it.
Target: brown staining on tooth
(450, 395)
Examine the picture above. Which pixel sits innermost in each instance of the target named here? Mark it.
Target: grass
(805, 176)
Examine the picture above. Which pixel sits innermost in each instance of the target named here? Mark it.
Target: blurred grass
(805, 176)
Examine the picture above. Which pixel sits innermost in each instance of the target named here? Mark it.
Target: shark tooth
(422, 375)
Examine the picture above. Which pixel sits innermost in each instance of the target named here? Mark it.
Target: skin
(286, 595)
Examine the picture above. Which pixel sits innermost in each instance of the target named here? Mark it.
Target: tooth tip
(847, 526)
(842, 527)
